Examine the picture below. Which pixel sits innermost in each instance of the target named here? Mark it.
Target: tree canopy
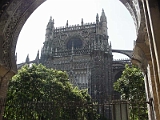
(39, 93)
(131, 87)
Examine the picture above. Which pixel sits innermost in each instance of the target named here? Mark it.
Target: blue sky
(121, 29)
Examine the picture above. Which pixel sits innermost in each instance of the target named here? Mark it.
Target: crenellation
(74, 27)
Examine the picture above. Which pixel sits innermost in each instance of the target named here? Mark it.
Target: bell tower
(102, 58)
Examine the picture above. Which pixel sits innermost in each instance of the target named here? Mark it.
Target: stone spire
(82, 21)
(50, 23)
(97, 24)
(37, 58)
(67, 23)
(50, 27)
(50, 19)
(110, 48)
(110, 45)
(53, 23)
(103, 22)
(97, 18)
(27, 59)
(103, 17)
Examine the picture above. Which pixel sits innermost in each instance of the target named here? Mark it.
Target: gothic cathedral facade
(83, 51)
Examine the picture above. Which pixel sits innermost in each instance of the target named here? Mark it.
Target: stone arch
(125, 52)
(117, 74)
(76, 41)
(12, 19)
(14, 13)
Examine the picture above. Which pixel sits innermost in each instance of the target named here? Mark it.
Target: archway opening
(115, 19)
(120, 56)
(121, 29)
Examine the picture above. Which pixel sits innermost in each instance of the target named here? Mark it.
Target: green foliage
(37, 92)
(132, 88)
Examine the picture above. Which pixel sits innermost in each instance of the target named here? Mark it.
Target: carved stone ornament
(85, 33)
(11, 23)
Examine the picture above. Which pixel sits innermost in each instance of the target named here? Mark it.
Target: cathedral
(146, 53)
(84, 52)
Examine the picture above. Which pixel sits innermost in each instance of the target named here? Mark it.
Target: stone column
(5, 76)
(152, 16)
(153, 106)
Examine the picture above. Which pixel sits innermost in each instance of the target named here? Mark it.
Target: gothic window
(75, 42)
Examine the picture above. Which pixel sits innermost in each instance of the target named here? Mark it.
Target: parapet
(75, 27)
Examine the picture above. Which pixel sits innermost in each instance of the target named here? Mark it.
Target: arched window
(75, 42)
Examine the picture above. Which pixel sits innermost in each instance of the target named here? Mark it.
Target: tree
(131, 87)
(38, 93)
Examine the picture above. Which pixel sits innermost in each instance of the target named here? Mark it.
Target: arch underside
(13, 16)
(141, 48)
(14, 13)
(128, 53)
